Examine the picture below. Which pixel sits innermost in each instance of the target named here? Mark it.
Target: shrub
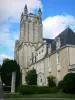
(35, 89)
(60, 85)
(53, 90)
(31, 78)
(7, 88)
(26, 89)
(69, 83)
(43, 89)
(51, 81)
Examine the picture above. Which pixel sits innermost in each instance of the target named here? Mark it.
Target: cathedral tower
(30, 35)
(31, 26)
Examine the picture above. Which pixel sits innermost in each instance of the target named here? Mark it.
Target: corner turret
(22, 16)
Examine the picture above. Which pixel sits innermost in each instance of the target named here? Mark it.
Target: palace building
(54, 57)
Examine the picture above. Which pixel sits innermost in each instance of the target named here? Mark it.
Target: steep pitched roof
(66, 37)
(48, 41)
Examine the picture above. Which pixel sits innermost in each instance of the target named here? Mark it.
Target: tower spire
(39, 10)
(25, 6)
(40, 13)
(25, 9)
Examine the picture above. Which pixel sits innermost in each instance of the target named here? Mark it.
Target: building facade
(54, 57)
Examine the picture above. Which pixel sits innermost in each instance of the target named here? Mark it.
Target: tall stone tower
(30, 35)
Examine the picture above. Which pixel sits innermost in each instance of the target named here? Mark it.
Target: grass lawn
(51, 95)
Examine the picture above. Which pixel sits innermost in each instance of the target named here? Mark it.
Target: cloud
(10, 12)
(52, 26)
(14, 8)
(7, 37)
(3, 56)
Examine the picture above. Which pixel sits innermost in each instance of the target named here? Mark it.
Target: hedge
(23, 89)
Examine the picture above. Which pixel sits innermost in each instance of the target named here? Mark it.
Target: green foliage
(5, 60)
(0, 68)
(69, 83)
(23, 89)
(60, 85)
(51, 81)
(47, 95)
(8, 67)
(7, 88)
(53, 90)
(31, 78)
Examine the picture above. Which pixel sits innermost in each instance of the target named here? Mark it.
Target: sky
(56, 16)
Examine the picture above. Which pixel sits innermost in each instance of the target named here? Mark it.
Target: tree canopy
(7, 68)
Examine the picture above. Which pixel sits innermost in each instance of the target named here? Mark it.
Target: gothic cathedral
(50, 57)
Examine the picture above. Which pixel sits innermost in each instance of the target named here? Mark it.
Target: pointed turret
(40, 13)
(25, 6)
(21, 15)
(25, 10)
(39, 9)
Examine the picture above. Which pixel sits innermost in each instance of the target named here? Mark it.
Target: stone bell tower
(30, 34)
(31, 26)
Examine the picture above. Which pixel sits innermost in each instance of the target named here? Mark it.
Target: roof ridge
(63, 32)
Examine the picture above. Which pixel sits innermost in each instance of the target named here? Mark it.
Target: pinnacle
(25, 6)
(22, 14)
(39, 9)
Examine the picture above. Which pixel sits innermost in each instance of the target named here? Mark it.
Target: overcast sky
(56, 16)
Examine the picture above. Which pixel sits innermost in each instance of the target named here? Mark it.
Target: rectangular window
(58, 58)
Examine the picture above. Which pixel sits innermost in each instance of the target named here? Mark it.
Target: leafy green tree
(51, 81)
(31, 78)
(5, 59)
(69, 83)
(8, 67)
(0, 66)
(0, 69)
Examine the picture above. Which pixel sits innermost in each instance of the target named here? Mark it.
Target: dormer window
(49, 48)
(58, 44)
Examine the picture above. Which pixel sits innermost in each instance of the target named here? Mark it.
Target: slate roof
(48, 41)
(66, 37)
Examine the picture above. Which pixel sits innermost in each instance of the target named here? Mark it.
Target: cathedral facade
(54, 57)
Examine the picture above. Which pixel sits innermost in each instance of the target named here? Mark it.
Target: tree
(0, 66)
(8, 67)
(31, 78)
(5, 59)
(51, 81)
(69, 83)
